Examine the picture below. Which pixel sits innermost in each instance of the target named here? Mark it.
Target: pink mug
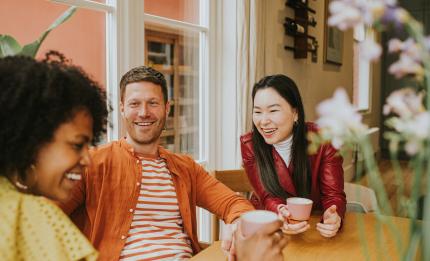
(299, 208)
(252, 221)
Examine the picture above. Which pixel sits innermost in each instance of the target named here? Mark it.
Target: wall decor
(333, 41)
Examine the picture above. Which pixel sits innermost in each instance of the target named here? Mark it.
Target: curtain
(250, 26)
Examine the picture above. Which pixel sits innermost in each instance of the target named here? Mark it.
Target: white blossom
(408, 47)
(344, 15)
(339, 120)
(370, 50)
(404, 102)
(349, 13)
(414, 130)
(406, 65)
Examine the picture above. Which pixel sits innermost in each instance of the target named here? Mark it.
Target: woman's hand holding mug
(289, 227)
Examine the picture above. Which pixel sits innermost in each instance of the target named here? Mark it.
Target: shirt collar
(163, 153)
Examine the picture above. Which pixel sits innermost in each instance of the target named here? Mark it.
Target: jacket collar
(163, 153)
(284, 173)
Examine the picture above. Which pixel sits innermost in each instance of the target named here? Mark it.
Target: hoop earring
(25, 187)
(21, 186)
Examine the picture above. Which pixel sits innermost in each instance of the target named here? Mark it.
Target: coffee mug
(299, 208)
(252, 221)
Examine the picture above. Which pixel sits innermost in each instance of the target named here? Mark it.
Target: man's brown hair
(143, 74)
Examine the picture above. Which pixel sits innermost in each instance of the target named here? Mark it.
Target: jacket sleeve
(331, 180)
(268, 201)
(214, 196)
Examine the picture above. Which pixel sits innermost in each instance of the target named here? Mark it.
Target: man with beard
(137, 201)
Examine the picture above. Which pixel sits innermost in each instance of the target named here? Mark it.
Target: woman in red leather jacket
(275, 157)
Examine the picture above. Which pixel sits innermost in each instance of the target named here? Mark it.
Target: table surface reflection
(348, 244)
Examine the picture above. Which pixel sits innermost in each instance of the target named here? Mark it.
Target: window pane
(176, 54)
(181, 10)
(81, 38)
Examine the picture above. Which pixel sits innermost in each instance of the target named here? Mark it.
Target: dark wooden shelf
(299, 5)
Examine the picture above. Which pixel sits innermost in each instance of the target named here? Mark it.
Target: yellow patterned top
(33, 228)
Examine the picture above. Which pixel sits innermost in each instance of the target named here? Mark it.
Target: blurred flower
(346, 14)
(409, 128)
(337, 124)
(395, 45)
(406, 65)
(413, 130)
(370, 50)
(405, 103)
(408, 47)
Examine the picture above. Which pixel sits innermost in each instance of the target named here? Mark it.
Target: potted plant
(10, 46)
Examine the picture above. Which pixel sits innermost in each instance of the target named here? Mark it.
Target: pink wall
(182, 10)
(81, 38)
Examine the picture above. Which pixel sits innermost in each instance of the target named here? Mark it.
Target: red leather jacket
(327, 177)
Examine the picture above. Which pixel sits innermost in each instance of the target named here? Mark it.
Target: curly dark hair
(143, 74)
(36, 97)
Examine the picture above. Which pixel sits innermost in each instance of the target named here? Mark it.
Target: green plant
(10, 46)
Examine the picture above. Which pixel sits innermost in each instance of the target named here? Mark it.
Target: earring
(22, 186)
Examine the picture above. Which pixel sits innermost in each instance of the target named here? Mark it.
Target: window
(362, 82)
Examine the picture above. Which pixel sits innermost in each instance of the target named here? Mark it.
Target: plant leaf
(8, 45)
(32, 48)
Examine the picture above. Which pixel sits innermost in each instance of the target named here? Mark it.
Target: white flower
(349, 13)
(339, 120)
(408, 47)
(395, 45)
(404, 102)
(406, 65)
(414, 130)
(370, 50)
(344, 15)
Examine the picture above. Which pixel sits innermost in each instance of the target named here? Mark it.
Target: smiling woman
(50, 112)
(275, 157)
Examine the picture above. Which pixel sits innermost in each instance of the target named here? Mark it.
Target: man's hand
(331, 222)
(265, 244)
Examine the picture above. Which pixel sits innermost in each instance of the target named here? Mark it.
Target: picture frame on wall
(333, 40)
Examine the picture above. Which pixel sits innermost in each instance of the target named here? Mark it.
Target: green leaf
(8, 45)
(32, 48)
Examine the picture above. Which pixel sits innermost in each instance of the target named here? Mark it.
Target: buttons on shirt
(122, 237)
(138, 183)
(131, 210)
(137, 161)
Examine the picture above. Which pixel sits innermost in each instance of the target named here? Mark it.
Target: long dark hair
(288, 90)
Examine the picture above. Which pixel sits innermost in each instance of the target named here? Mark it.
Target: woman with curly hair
(50, 112)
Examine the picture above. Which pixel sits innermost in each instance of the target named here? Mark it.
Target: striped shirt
(156, 232)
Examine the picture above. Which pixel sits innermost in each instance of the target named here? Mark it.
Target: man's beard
(156, 136)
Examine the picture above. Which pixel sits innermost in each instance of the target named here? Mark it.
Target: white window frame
(363, 72)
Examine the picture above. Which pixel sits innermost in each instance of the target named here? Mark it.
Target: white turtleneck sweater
(284, 149)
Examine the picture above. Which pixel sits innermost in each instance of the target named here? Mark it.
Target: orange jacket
(102, 204)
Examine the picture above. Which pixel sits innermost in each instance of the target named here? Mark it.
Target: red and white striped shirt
(156, 232)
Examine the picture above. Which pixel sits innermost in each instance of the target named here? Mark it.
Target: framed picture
(333, 40)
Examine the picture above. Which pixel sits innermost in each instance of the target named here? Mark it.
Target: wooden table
(346, 245)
